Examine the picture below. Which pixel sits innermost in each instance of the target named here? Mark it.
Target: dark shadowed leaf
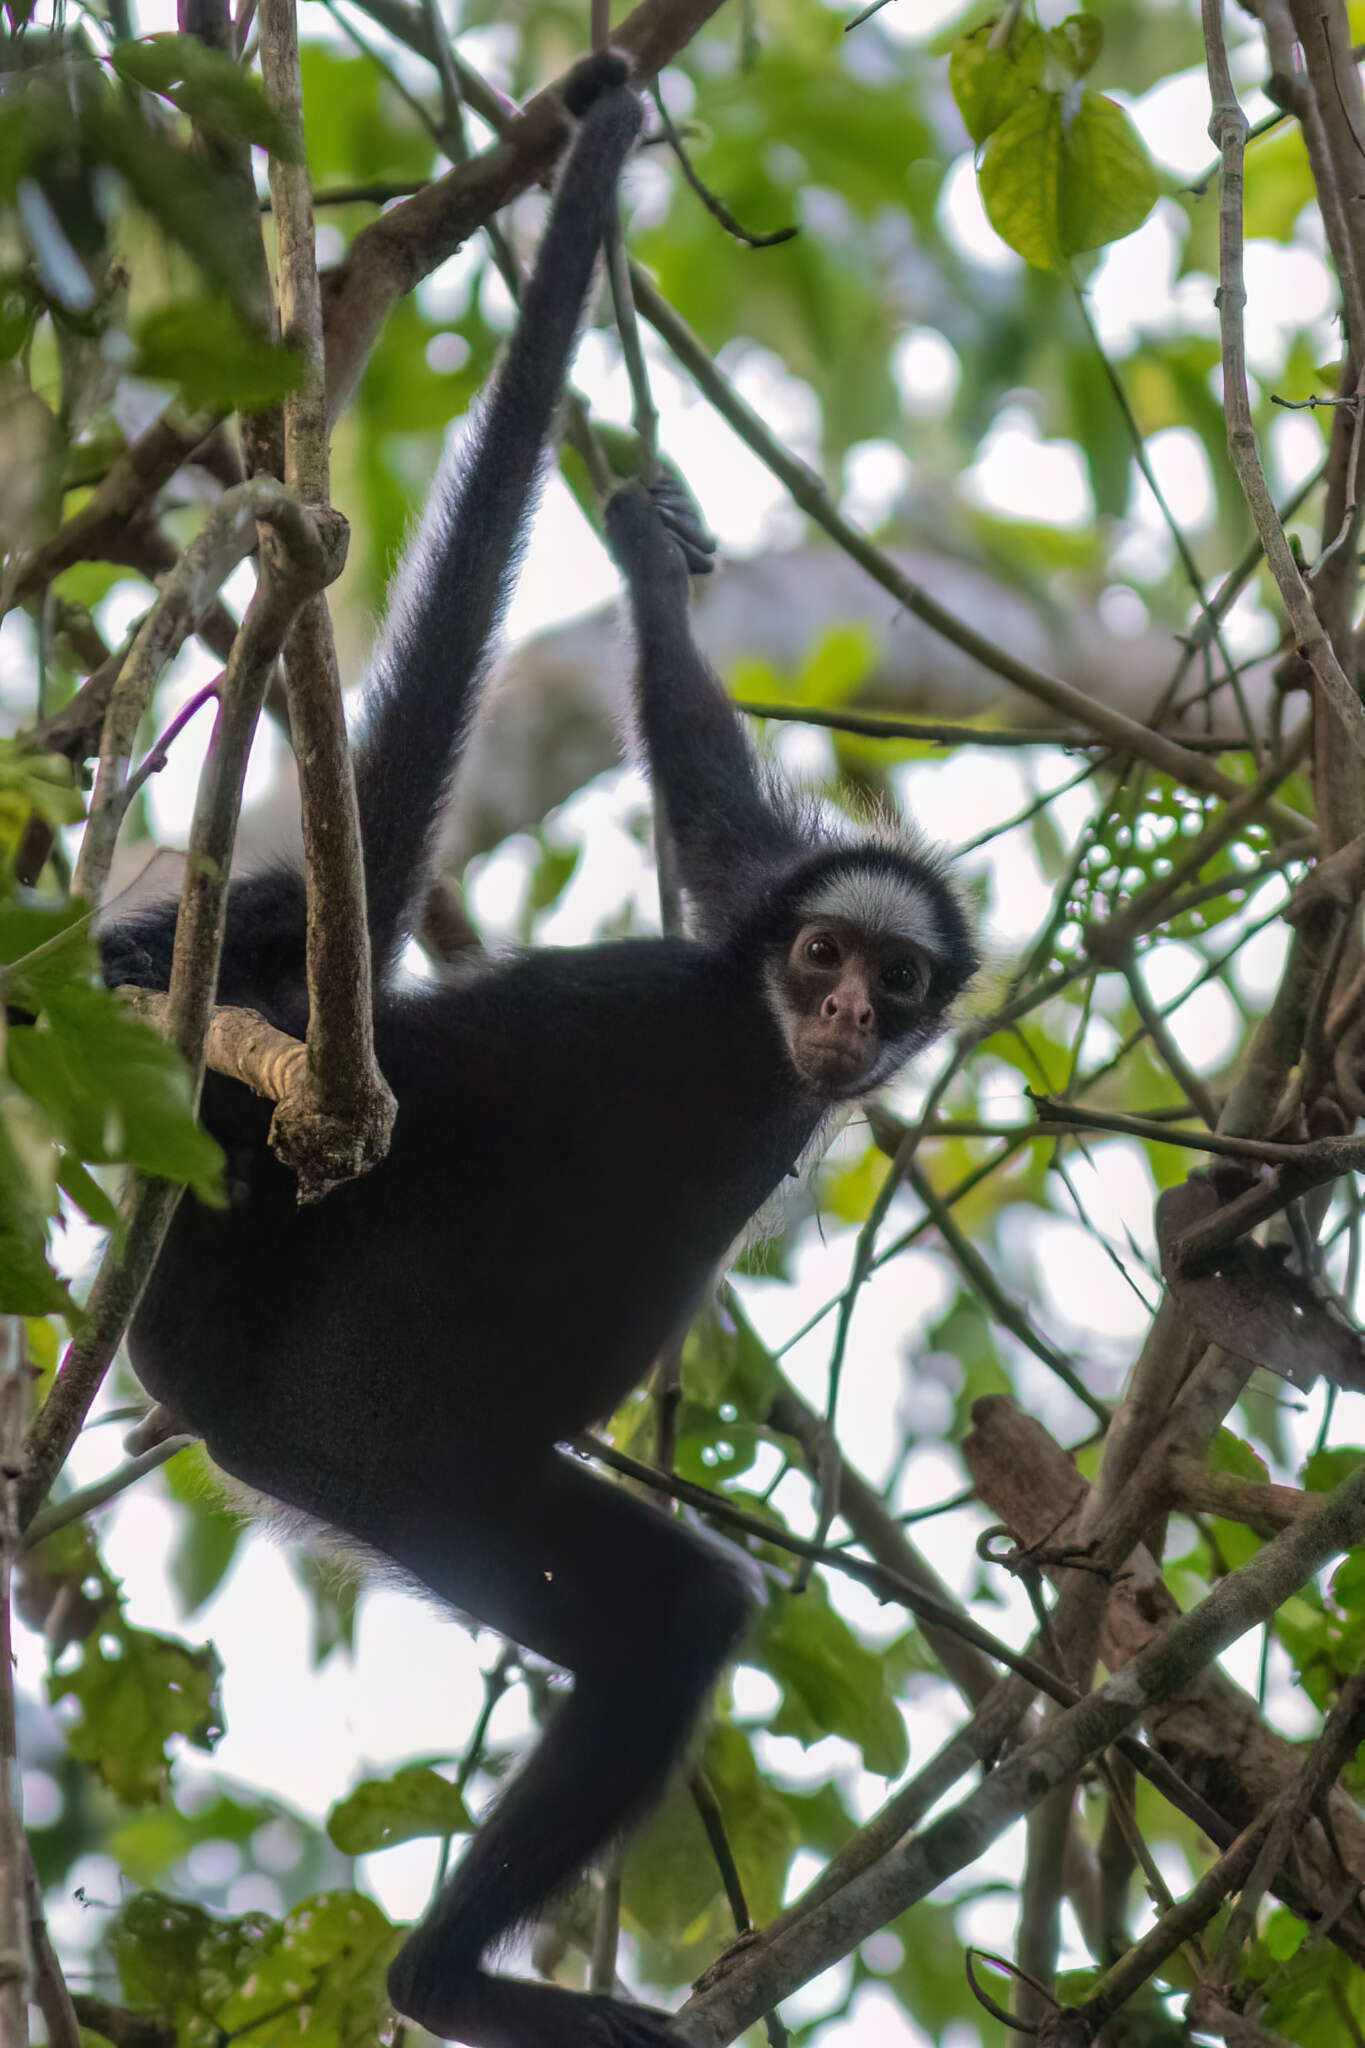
(28, 1185)
(1252, 1303)
(206, 84)
(203, 347)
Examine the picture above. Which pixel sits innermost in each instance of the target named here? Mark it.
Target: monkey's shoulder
(598, 1039)
(554, 996)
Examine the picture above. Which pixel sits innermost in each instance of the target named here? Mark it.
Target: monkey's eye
(904, 978)
(822, 951)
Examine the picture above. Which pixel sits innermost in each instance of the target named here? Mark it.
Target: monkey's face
(851, 1005)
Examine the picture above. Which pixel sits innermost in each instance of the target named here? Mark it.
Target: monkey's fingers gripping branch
(654, 531)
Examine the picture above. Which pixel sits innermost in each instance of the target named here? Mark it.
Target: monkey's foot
(499, 2012)
(677, 508)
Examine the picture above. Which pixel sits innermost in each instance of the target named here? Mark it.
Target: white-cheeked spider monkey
(581, 1135)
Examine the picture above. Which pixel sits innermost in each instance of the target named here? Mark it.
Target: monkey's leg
(643, 1614)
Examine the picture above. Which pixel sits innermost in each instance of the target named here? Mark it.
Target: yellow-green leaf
(1064, 173)
(990, 84)
(1077, 41)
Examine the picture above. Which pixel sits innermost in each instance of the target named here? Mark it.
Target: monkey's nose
(854, 1011)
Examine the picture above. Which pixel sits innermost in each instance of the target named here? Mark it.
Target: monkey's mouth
(834, 1066)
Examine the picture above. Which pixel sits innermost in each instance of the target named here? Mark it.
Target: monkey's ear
(591, 77)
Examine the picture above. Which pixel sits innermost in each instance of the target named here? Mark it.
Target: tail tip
(593, 76)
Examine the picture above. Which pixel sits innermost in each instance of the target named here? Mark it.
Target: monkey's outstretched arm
(730, 824)
(454, 586)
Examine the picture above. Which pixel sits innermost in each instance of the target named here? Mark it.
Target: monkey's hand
(652, 529)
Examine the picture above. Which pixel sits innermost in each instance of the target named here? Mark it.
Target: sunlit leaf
(135, 1692)
(413, 1803)
(1065, 173)
(1077, 42)
(991, 77)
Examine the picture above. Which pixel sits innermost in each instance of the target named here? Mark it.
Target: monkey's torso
(554, 1204)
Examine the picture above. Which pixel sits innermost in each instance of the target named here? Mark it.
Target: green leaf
(317, 1975)
(333, 1588)
(1284, 1934)
(1058, 178)
(832, 1684)
(320, 1972)
(209, 1532)
(671, 1879)
(554, 870)
(1233, 1454)
(208, 85)
(116, 1092)
(156, 1837)
(23, 930)
(991, 84)
(1327, 1468)
(169, 1952)
(726, 1364)
(30, 783)
(1077, 42)
(1279, 184)
(85, 1191)
(201, 345)
(413, 1803)
(840, 662)
(28, 1186)
(135, 1692)
(195, 204)
(17, 315)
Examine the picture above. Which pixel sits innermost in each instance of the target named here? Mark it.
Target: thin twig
(76, 1506)
(16, 1955)
(714, 205)
(809, 492)
(1228, 129)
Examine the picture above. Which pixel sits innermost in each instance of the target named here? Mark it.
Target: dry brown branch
(296, 559)
(1209, 1731)
(808, 491)
(238, 1043)
(50, 1993)
(228, 534)
(125, 2029)
(1337, 700)
(16, 1955)
(1266, 1509)
(133, 481)
(1168, 1669)
(394, 253)
(337, 1120)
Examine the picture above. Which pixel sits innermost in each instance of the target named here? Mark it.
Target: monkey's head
(868, 950)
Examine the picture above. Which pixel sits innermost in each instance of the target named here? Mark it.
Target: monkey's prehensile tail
(453, 588)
